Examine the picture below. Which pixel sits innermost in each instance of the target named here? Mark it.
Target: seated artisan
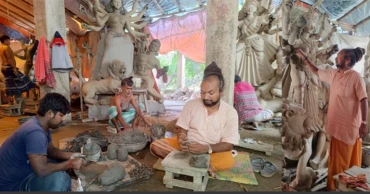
(28, 159)
(247, 105)
(205, 125)
(120, 104)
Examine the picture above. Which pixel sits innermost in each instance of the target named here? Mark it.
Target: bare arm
(138, 110)
(138, 17)
(364, 106)
(133, 8)
(307, 62)
(117, 103)
(41, 167)
(58, 154)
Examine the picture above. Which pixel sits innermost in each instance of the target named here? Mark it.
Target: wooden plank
(16, 16)
(262, 147)
(22, 5)
(16, 25)
(16, 10)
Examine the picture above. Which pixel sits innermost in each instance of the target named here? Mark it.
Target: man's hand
(363, 131)
(197, 148)
(15, 71)
(76, 163)
(183, 142)
(77, 155)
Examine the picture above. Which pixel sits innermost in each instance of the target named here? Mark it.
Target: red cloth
(163, 74)
(43, 73)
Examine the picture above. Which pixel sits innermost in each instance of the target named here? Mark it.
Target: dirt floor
(9, 124)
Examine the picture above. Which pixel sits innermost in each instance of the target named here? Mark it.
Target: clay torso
(145, 63)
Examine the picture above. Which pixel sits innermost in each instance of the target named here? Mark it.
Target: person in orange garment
(205, 125)
(347, 111)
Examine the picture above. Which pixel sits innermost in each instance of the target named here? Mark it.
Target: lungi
(15, 85)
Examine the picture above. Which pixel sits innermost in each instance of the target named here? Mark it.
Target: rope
(353, 182)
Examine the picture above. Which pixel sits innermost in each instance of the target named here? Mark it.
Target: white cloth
(60, 59)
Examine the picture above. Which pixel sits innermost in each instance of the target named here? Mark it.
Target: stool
(11, 110)
(176, 163)
(142, 97)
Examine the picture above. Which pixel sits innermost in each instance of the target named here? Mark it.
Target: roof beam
(16, 16)
(361, 22)
(11, 7)
(22, 5)
(353, 9)
(317, 4)
(177, 5)
(15, 21)
(158, 6)
(15, 26)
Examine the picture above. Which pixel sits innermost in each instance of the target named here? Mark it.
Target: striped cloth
(246, 101)
(15, 85)
(128, 116)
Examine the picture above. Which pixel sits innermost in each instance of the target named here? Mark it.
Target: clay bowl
(23, 120)
(133, 147)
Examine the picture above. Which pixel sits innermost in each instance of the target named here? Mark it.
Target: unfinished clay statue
(92, 170)
(114, 173)
(144, 63)
(198, 162)
(122, 154)
(106, 86)
(117, 43)
(157, 131)
(254, 53)
(91, 151)
(112, 151)
(297, 136)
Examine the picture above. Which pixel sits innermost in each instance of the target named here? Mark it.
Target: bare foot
(212, 173)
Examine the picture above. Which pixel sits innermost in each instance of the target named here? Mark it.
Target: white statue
(297, 136)
(105, 86)
(117, 43)
(254, 53)
(144, 63)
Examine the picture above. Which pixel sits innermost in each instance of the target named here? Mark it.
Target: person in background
(346, 122)
(247, 105)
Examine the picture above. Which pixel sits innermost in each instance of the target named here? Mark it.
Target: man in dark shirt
(25, 155)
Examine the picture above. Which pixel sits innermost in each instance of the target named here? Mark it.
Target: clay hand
(363, 131)
(300, 53)
(197, 148)
(77, 155)
(76, 163)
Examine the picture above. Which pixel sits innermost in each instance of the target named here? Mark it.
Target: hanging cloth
(60, 59)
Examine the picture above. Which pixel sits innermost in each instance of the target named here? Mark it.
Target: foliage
(193, 72)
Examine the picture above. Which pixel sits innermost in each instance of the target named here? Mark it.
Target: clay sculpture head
(296, 126)
(117, 69)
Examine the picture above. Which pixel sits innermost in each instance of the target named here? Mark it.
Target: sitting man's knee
(58, 181)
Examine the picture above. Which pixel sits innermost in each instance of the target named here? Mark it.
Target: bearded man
(205, 125)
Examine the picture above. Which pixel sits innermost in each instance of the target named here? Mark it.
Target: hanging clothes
(60, 59)
(43, 73)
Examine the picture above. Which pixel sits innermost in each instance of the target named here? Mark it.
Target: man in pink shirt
(347, 112)
(205, 125)
(247, 105)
